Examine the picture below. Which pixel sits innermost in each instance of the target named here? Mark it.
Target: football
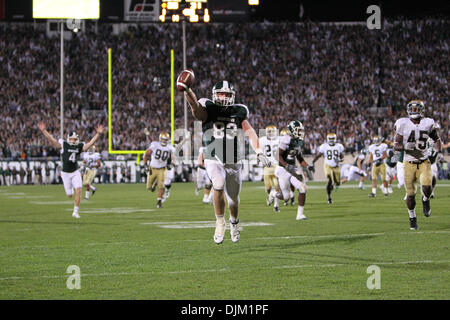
(185, 79)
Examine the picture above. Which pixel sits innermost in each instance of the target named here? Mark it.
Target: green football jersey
(221, 135)
(292, 148)
(392, 158)
(70, 154)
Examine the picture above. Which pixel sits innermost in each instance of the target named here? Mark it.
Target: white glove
(263, 159)
(410, 146)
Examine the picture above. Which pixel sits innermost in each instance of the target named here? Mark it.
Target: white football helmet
(72, 136)
(223, 87)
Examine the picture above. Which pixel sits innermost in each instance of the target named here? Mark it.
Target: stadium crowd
(334, 78)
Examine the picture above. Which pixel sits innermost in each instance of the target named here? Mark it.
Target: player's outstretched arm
(49, 137)
(254, 142)
(99, 130)
(198, 112)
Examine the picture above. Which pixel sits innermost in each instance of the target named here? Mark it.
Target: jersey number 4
(423, 137)
(73, 157)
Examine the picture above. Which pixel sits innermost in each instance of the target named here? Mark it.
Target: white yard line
(326, 265)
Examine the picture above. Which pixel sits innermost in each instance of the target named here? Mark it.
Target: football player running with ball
(333, 153)
(71, 150)
(412, 134)
(286, 171)
(224, 124)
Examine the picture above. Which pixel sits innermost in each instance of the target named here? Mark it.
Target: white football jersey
(331, 154)
(377, 150)
(269, 148)
(160, 154)
(91, 159)
(416, 133)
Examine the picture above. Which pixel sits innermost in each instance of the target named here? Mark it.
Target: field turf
(127, 249)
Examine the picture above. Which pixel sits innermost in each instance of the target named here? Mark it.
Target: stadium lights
(253, 2)
(175, 18)
(193, 18)
(206, 17)
(172, 5)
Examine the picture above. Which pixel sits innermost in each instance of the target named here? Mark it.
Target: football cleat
(413, 223)
(93, 191)
(75, 215)
(234, 231)
(300, 217)
(276, 209)
(390, 190)
(330, 201)
(292, 201)
(220, 231)
(372, 195)
(286, 203)
(159, 204)
(426, 208)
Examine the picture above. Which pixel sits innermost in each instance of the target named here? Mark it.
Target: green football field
(125, 248)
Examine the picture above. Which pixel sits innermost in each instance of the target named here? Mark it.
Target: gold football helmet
(376, 140)
(283, 132)
(271, 132)
(164, 138)
(415, 109)
(331, 139)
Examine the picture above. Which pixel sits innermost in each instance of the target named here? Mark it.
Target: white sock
(159, 198)
(360, 184)
(221, 218)
(92, 187)
(233, 220)
(300, 210)
(87, 194)
(374, 190)
(277, 201)
(292, 194)
(412, 213)
(75, 209)
(425, 199)
(205, 197)
(210, 195)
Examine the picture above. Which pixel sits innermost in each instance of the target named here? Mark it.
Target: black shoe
(153, 188)
(292, 201)
(93, 191)
(276, 209)
(286, 203)
(372, 195)
(159, 204)
(426, 208)
(330, 201)
(413, 224)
